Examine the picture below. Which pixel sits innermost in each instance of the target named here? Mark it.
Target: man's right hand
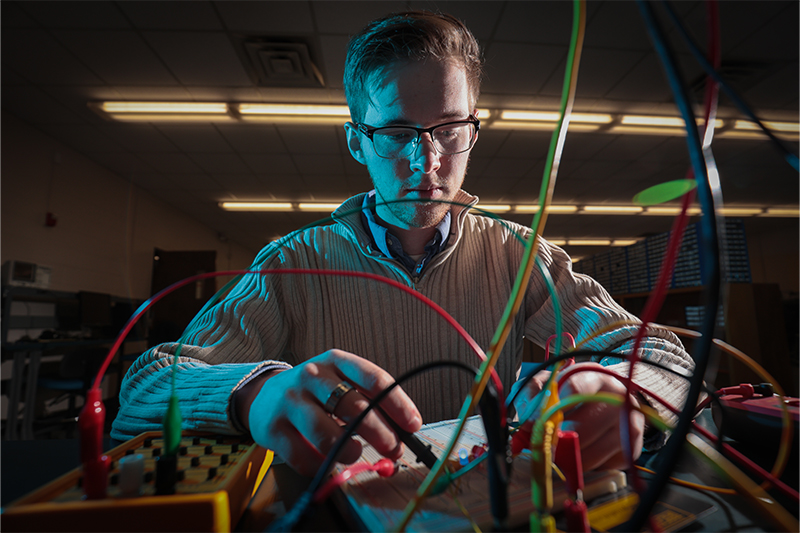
(288, 414)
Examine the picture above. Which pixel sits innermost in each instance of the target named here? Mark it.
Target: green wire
(551, 169)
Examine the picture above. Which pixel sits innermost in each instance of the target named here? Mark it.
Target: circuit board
(377, 503)
(216, 477)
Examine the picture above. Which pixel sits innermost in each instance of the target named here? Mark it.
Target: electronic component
(215, 478)
(377, 503)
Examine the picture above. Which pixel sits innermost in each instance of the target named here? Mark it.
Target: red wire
(656, 299)
(755, 468)
(321, 272)
(384, 467)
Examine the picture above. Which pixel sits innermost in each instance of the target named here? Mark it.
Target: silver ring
(336, 396)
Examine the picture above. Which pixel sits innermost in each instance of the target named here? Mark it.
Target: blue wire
(729, 91)
(710, 242)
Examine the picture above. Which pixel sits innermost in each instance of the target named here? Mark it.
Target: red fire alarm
(50, 220)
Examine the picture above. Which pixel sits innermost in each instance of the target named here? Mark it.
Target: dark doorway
(170, 316)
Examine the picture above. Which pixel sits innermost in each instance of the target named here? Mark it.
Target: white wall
(106, 230)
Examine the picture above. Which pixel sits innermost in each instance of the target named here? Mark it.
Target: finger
(324, 379)
(600, 428)
(300, 454)
(371, 380)
(531, 389)
(372, 428)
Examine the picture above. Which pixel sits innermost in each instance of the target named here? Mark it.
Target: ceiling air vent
(281, 63)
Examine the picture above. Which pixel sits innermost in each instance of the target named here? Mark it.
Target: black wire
(668, 456)
(288, 521)
(737, 100)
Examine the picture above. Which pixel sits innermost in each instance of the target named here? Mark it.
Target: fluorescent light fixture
(539, 126)
(537, 116)
(494, 208)
(665, 211)
(164, 107)
(483, 113)
(311, 114)
(781, 212)
(163, 111)
(551, 209)
(651, 120)
(645, 130)
(557, 242)
(611, 209)
(318, 207)
(592, 118)
(646, 120)
(256, 206)
(550, 116)
(783, 127)
(624, 242)
(589, 242)
(294, 109)
(739, 211)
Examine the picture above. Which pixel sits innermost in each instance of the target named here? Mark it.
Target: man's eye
(397, 136)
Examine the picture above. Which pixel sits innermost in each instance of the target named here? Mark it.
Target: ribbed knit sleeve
(586, 307)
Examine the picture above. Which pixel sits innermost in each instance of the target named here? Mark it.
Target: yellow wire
(753, 493)
(787, 425)
(493, 354)
(787, 429)
(689, 484)
(475, 527)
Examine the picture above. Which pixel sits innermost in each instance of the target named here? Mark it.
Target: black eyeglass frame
(369, 131)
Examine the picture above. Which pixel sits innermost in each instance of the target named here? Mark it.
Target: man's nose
(425, 158)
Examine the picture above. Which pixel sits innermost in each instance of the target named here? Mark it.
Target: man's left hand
(598, 424)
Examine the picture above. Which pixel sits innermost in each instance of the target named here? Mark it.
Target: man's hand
(285, 411)
(598, 424)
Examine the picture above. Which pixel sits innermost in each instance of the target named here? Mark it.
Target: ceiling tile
(124, 164)
(252, 138)
(118, 57)
(334, 50)
(217, 162)
(267, 18)
(320, 164)
(89, 15)
(536, 22)
(39, 58)
(199, 58)
(196, 182)
(520, 67)
(171, 15)
(138, 137)
(195, 137)
(270, 164)
(35, 106)
(149, 180)
(310, 139)
(170, 163)
(347, 18)
(480, 17)
(617, 25)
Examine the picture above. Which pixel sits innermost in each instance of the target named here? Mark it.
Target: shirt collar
(389, 244)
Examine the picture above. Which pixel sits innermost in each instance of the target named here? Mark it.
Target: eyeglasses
(397, 142)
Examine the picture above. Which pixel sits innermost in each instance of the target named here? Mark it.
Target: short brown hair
(409, 36)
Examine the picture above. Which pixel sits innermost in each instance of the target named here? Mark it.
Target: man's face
(420, 94)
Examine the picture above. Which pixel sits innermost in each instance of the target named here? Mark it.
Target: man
(412, 83)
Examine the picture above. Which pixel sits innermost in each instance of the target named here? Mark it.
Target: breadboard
(217, 476)
(378, 503)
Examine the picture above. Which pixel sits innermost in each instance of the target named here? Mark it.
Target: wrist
(244, 396)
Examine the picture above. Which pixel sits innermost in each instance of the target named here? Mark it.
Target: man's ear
(354, 142)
